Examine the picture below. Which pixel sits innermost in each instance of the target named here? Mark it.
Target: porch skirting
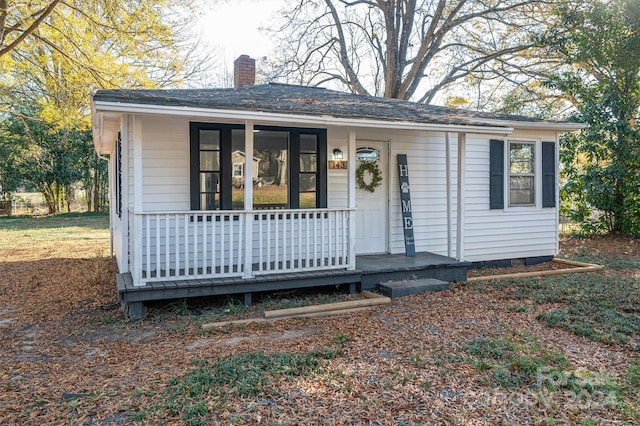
(371, 270)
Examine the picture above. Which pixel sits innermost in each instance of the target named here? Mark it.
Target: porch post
(448, 191)
(351, 178)
(462, 153)
(248, 199)
(126, 207)
(137, 201)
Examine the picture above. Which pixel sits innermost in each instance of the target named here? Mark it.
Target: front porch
(370, 271)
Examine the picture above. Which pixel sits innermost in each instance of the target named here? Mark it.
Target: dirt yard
(554, 350)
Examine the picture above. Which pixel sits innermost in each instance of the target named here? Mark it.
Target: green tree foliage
(54, 160)
(53, 55)
(82, 46)
(601, 44)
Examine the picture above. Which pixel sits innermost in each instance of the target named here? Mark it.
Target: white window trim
(537, 174)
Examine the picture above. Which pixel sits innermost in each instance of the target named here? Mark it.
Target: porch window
(308, 173)
(522, 174)
(118, 176)
(289, 167)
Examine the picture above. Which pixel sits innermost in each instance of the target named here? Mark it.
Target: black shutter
(548, 174)
(496, 174)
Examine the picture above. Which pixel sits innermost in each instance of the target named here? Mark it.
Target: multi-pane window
(209, 151)
(521, 174)
(308, 174)
(289, 167)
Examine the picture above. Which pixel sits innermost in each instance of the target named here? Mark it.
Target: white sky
(233, 27)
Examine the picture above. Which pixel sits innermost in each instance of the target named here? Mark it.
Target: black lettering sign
(405, 204)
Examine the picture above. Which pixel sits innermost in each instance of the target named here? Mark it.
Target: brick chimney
(244, 71)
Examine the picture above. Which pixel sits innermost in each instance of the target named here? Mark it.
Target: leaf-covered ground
(552, 350)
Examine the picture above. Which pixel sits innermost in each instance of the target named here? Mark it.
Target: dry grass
(473, 355)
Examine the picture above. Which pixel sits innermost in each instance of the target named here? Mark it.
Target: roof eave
(299, 119)
(105, 128)
(540, 125)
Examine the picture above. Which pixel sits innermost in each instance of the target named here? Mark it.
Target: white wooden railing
(215, 244)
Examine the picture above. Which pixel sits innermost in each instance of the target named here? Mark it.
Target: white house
(483, 188)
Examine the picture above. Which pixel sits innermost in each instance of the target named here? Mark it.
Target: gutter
(540, 125)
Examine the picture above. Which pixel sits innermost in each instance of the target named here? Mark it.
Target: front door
(372, 207)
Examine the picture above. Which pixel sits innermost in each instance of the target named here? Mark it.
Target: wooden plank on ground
(327, 307)
(579, 267)
(322, 314)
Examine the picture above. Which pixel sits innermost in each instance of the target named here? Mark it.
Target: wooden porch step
(395, 289)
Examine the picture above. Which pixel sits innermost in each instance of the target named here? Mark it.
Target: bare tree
(406, 49)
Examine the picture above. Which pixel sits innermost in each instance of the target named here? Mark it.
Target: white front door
(372, 207)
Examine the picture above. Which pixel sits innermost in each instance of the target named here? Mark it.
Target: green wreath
(376, 176)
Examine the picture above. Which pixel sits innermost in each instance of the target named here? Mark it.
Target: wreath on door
(376, 176)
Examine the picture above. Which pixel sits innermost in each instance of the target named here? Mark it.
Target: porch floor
(370, 271)
(377, 268)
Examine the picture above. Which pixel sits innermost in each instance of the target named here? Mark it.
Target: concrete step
(395, 289)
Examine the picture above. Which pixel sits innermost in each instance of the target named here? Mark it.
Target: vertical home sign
(405, 204)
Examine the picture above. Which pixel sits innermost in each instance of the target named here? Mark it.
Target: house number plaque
(405, 204)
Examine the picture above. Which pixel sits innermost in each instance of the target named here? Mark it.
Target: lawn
(552, 350)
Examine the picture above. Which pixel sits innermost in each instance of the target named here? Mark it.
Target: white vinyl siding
(165, 160)
(503, 233)
(489, 234)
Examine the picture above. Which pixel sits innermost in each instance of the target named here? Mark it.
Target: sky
(233, 27)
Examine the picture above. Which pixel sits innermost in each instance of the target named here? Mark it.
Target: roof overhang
(106, 125)
(108, 109)
(107, 120)
(559, 126)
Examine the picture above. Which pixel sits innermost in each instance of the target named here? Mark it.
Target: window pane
(237, 140)
(271, 152)
(237, 197)
(307, 182)
(367, 154)
(210, 139)
(308, 162)
(521, 158)
(209, 201)
(209, 161)
(308, 144)
(308, 200)
(521, 190)
(209, 182)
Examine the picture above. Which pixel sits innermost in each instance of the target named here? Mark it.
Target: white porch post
(125, 225)
(351, 178)
(137, 200)
(448, 191)
(462, 153)
(248, 198)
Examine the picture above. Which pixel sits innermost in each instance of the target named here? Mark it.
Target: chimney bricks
(244, 71)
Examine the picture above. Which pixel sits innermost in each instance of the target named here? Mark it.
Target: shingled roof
(313, 101)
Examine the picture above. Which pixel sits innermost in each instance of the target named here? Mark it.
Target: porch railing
(215, 244)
